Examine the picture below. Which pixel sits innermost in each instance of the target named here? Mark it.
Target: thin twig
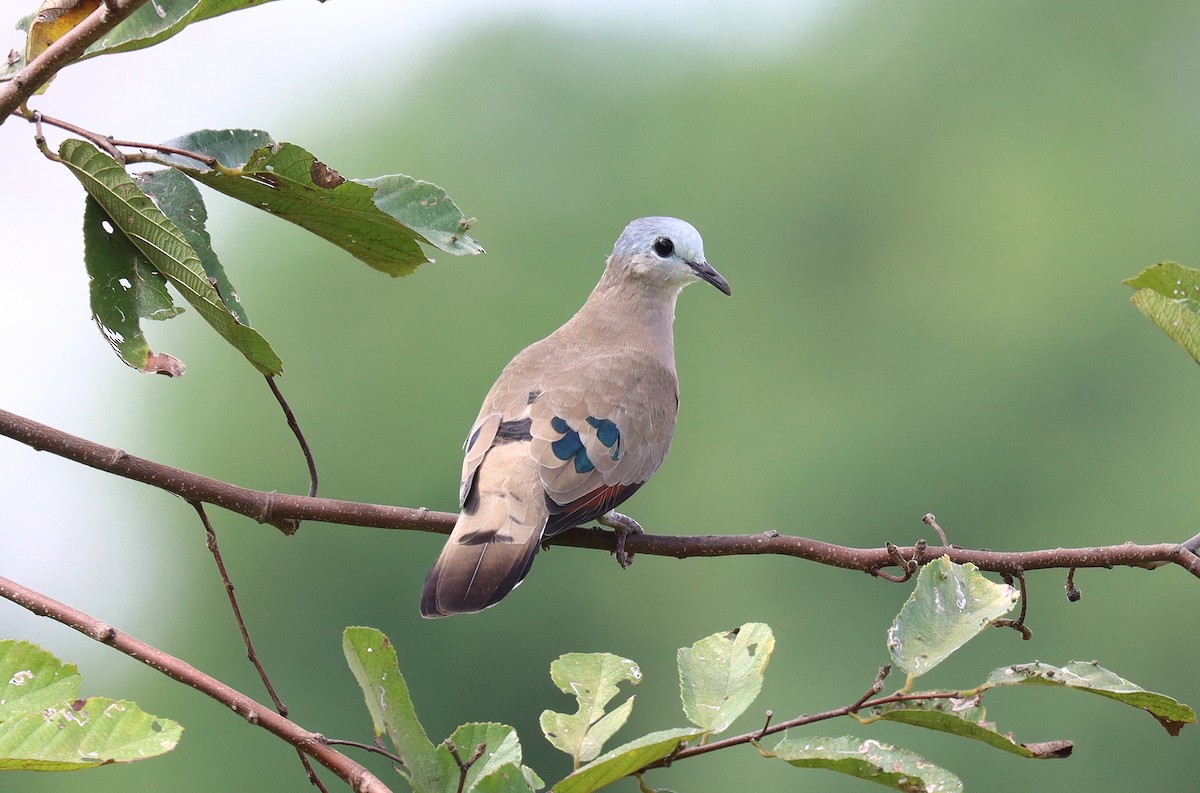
(280, 708)
(295, 427)
(110, 144)
(209, 160)
(875, 688)
(931, 520)
(355, 775)
(38, 118)
(767, 723)
(800, 721)
(896, 558)
(464, 765)
(367, 747)
(1073, 593)
(280, 510)
(1019, 623)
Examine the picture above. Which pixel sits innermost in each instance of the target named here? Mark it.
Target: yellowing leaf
(53, 20)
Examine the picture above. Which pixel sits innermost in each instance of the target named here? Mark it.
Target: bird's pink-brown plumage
(574, 424)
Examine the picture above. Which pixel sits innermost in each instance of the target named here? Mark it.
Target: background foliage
(925, 210)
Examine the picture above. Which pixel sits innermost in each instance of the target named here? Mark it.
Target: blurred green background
(925, 211)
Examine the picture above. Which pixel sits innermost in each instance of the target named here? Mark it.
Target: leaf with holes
(32, 679)
(876, 762)
(164, 245)
(950, 605)
(721, 676)
(965, 717)
(1169, 295)
(44, 727)
(1091, 677)
(592, 678)
(125, 289)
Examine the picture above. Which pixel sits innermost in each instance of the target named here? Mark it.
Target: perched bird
(576, 422)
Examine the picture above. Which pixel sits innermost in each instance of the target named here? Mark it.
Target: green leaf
(78, 735)
(125, 289)
(626, 759)
(160, 20)
(963, 717)
(372, 660)
(498, 767)
(950, 605)
(1095, 679)
(32, 679)
(720, 676)
(1169, 295)
(160, 241)
(592, 678)
(877, 762)
(43, 727)
(179, 199)
(154, 22)
(380, 221)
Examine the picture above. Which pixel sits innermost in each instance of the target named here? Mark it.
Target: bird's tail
(469, 578)
(493, 543)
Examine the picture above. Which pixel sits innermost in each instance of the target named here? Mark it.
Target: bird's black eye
(663, 247)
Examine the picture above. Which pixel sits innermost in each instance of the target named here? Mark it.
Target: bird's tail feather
(495, 539)
(469, 578)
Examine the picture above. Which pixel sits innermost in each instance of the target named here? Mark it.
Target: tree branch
(66, 50)
(283, 511)
(312, 744)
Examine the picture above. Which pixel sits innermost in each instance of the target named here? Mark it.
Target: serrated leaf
(498, 768)
(1169, 295)
(179, 199)
(625, 760)
(965, 717)
(78, 735)
(124, 289)
(160, 241)
(592, 679)
(1091, 677)
(372, 660)
(877, 762)
(32, 679)
(950, 605)
(720, 676)
(379, 221)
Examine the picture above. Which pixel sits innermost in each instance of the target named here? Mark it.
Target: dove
(576, 422)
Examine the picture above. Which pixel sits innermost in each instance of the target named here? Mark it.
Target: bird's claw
(622, 526)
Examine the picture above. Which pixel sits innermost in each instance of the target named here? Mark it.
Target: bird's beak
(707, 273)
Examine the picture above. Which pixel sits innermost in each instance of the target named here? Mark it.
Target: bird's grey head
(666, 250)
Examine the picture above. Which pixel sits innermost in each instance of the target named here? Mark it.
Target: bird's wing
(597, 441)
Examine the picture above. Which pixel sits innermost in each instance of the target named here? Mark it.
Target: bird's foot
(622, 526)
